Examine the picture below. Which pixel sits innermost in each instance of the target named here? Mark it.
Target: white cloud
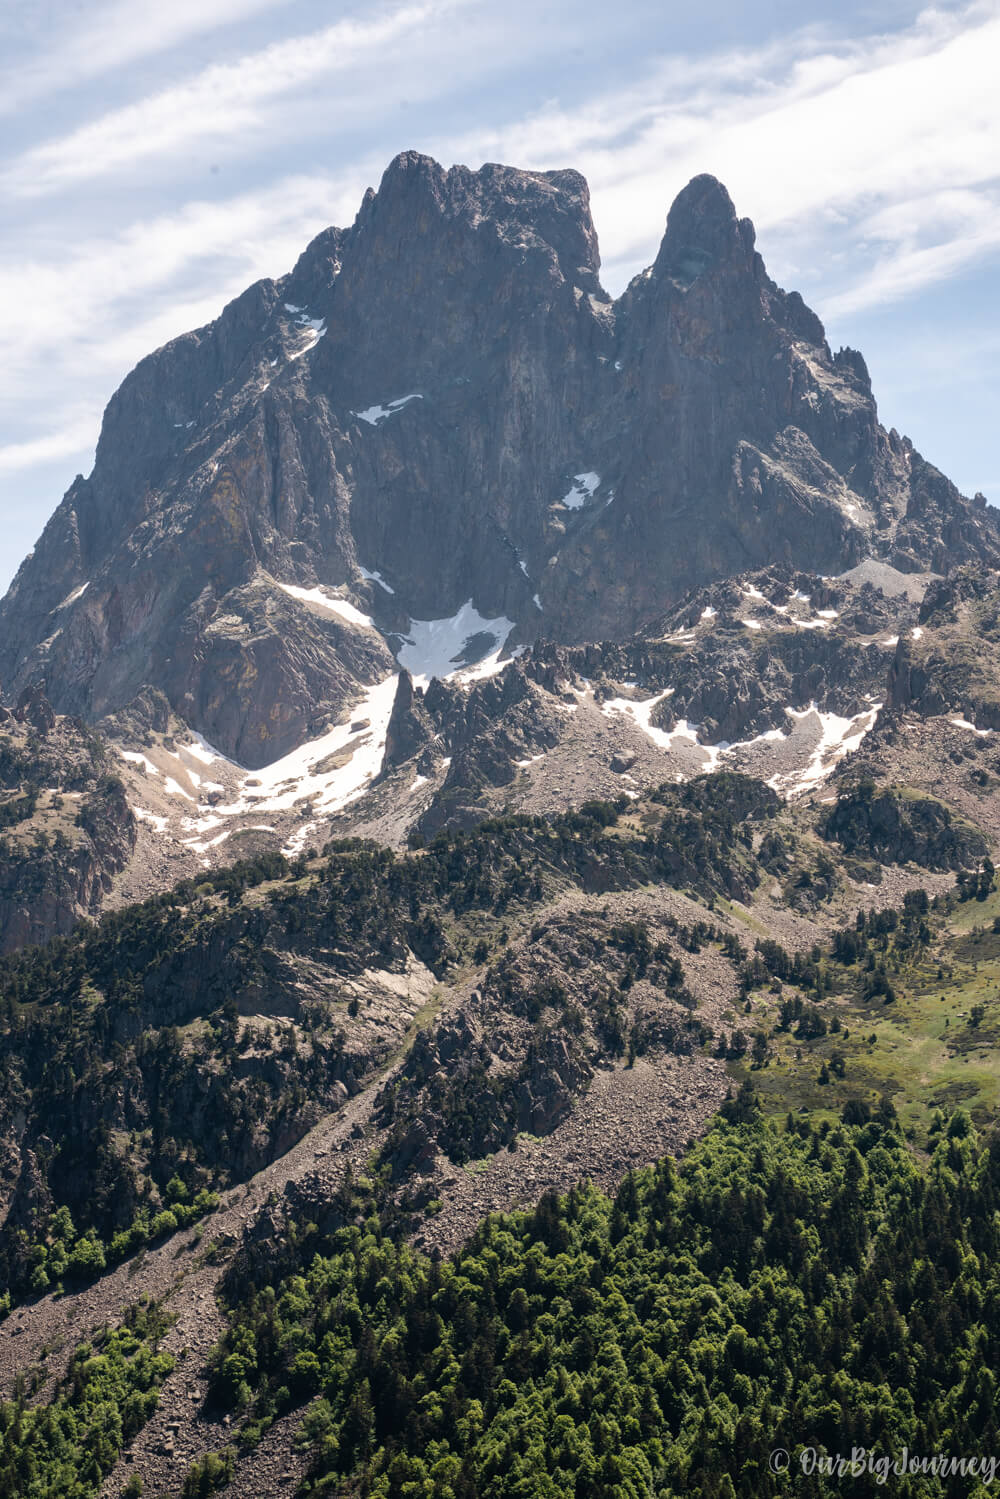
(222, 105)
(809, 135)
(66, 443)
(108, 37)
(103, 304)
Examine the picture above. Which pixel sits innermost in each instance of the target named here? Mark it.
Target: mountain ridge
(439, 405)
(494, 766)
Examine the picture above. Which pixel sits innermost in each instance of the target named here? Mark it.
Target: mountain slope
(439, 415)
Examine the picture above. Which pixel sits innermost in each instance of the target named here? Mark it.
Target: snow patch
(316, 329)
(159, 823)
(916, 633)
(583, 488)
(135, 758)
(536, 601)
(203, 751)
(963, 723)
(375, 414)
(639, 713)
(320, 599)
(838, 737)
(298, 840)
(373, 577)
(307, 772)
(172, 788)
(438, 647)
(708, 612)
(77, 593)
(751, 624)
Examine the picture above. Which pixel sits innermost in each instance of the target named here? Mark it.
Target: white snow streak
(375, 414)
(639, 714)
(203, 751)
(137, 759)
(837, 737)
(320, 599)
(159, 823)
(305, 772)
(583, 488)
(373, 577)
(77, 593)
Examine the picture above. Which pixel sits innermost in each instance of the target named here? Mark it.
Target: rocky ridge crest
(440, 408)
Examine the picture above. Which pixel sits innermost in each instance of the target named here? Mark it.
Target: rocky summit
(438, 438)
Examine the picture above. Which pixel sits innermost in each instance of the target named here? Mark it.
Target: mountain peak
(702, 230)
(528, 210)
(439, 417)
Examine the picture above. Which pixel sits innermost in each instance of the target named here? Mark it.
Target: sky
(156, 159)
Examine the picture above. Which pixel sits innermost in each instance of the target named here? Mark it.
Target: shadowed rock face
(444, 395)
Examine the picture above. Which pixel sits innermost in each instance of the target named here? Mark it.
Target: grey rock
(462, 315)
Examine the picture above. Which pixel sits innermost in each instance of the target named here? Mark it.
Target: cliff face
(65, 824)
(440, 404)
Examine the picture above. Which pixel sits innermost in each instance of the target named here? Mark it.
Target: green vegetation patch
(64, 1448)
(787, 1286)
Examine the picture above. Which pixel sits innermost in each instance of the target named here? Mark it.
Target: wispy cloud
(110, 36)
(848, 143)
(213, 249)
(223, 104)
(83, 319)
(65, 443)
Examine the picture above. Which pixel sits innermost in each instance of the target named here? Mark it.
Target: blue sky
(156, 159)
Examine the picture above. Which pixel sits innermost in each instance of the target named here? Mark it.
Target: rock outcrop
(65, 825)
